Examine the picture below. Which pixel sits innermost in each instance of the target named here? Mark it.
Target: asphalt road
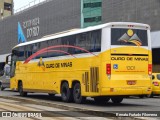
(128, 104)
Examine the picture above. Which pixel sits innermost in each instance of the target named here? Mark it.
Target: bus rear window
(129, 37)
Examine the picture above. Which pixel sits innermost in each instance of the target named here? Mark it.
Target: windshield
(129, 37)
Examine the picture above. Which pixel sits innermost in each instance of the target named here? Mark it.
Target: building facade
(6, 8)
(59, 15)
(91, 12)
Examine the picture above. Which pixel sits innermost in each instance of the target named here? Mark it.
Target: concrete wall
(143, 11)
(54, 16)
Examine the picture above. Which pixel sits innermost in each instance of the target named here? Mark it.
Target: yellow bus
(108, 61)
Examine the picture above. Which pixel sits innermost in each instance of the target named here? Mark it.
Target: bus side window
(29, 50)
(13, 62)
(13, 65)
(42, 45)
(96, 41)
(153, 77)
(21, 53)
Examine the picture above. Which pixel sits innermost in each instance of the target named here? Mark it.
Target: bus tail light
(150, 69)
(108, 69)
(156, 83)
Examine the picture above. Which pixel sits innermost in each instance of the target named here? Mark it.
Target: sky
(21, 3)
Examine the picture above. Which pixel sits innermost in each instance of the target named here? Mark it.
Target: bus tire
(1, 87)
(77, 97)
(141, 96)
(117, 99)
(66, 92)
(20, 89)
(51, 94)
(101, 100)
(150, 95)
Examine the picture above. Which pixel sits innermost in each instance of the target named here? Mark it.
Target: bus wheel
(117, 99)
(141, 96)
(150, 95)
(1, 87)
(51, 94)
(101, 100)
(66, 92)
(20, 89)
(77, 94)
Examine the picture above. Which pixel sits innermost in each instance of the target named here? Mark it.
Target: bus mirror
(8, 59)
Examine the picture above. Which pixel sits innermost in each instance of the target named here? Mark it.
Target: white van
(5, 79)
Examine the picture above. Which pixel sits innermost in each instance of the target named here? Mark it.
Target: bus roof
(76, 31)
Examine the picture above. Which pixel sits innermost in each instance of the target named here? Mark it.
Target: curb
(71, 108)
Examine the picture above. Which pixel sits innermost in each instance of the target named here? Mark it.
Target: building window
(93, 19)
(7, 6)
(92, 5)
(91, 12)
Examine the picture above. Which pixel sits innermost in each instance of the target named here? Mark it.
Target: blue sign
(21, 36)
(115, 66)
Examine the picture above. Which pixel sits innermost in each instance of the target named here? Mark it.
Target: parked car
(5, 79)
(155, 84)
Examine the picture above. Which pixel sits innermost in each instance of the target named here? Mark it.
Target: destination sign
(59, 65)
(130, 58)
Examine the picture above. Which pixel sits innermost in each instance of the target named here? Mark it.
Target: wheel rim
(77, 93)
(20, 88)
(64, 92)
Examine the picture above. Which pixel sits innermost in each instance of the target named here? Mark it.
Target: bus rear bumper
(126, 91)
(156, 92)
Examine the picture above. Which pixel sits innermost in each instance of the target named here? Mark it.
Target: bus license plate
(131, 82)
